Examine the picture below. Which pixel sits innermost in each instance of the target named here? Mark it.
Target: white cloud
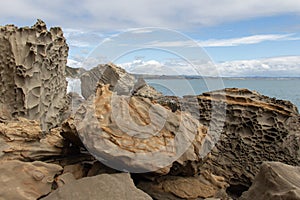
(254, 39)
(278, 66)
(117, 14)
(269, 67)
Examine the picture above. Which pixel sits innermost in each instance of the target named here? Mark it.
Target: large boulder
(101, 187)
(25, 180)
(275, 181)
(133, 133)
(32, 73)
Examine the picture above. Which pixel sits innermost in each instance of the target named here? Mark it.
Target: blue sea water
(280, 88)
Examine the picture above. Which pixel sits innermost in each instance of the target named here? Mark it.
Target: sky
(206, 37)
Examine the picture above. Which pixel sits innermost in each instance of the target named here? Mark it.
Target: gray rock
(119, 80)
(101, 187)
(32, 72)
(275, 181)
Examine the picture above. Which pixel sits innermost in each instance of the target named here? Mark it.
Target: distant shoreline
(146, 76)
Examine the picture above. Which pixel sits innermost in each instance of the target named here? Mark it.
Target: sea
(280, 88)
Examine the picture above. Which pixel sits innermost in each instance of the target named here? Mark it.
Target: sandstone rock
(23, 180)
(65, 178)
(275, 181)
(132, 133)
(119, 80)
(205, 185)
(23, 139)
(249, 128)
(102, 187)
(77, 170)
(32, 72)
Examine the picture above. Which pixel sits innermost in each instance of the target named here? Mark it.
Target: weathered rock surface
(23, 140)
(101, 187)
(25, 180)
(32, 72)
(119, 80)
(275, 181)
(176, 187)
(132, 133)
(255, 128)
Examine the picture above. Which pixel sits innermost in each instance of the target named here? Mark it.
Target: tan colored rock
(187, 188)
(32, 72)
(23, 140)
(101, 187)
(275, 181)
(24, 180)
(201, 186)
(77, 170)
(132, 133)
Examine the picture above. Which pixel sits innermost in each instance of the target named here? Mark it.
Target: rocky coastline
(227, 144)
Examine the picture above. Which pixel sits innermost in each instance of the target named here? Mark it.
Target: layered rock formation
(251, 128)
(23, 140)
(275, 181)
(32, 72)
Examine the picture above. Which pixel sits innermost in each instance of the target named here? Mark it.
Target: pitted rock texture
(32, 72)
(25, 180)
(275, 181)
(255, 128)
(133, 133)
(119, 80)
(101, 187)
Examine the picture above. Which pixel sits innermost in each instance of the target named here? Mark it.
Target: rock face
(119, 80)
(32, 72)
(101, 187)
(24, 180)
(255, 128)
(275, 181)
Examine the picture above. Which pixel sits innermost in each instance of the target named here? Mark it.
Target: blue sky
(233, 34)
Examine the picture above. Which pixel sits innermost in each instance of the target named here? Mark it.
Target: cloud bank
(269, 67)
(117, 14)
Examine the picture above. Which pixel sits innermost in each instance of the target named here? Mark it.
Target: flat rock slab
(24, 180)
(101, 187)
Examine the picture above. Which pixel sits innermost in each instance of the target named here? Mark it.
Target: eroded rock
(275, 181)
(101, 187)
(32, 72)
(24, 180)
(23, 139)
(255, 128)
